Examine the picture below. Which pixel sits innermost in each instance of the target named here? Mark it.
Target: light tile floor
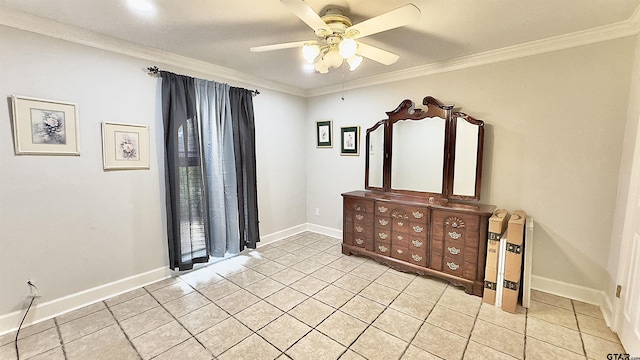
(300, 298)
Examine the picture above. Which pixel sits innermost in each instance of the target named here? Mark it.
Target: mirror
(433, 153)
(375, 155)
(467, 156)
(417, 155)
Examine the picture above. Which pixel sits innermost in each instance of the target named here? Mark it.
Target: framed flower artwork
(350, 140)
(125, 146)
(44, 127)
(323, 134)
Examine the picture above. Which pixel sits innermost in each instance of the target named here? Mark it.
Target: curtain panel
(185, 198)
(245, 153)
(210, 161)
(214, 112)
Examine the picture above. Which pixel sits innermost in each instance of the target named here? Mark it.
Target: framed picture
(350, 140)
(323, 134)
(125, 146)
(44, 127)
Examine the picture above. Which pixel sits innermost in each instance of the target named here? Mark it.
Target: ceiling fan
(336, 36)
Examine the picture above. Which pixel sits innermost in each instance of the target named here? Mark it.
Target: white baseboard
(607, 311)
(571, 291)
(50, 309)
(325, 230)
(282, 234)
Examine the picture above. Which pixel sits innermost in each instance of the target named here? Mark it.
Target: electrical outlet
(317, 212)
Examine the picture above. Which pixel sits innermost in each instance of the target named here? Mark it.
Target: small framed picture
(125, 146)
(350, 140)
(323, 134)
(44, 127)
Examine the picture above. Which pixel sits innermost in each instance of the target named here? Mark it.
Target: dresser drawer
(453, 266)
(456, 221)
(365, 242)
(382, 247)
(417, 243)
(382, 235)
(400, 239)
(383, 222)
(400, 252)
(358, 205)
(361, 229)
(400, 225)
(454, 251)
(383, 209)
(417, 257)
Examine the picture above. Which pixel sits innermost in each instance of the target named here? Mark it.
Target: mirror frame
(479, 155)
(368, 152)
(435, 108)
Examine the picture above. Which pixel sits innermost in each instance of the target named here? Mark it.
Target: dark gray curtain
(186, 203)
(245, 154)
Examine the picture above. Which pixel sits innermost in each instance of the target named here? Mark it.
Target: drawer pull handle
(453, 250)
(383, 248)
(400, 223)
(359, 229)
(383, 222)
(416, 257)
(418, 229)
(454, 235)
(418, 214)
(399, 251)
(416, 243)
(359, 217)
(453, 266)
(358, 208)
(383, 236)
(382, 209)
(400, 238)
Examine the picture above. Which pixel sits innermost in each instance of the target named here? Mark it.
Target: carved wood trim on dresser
(413, 234)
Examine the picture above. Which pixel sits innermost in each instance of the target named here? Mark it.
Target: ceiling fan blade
(376, 54)
(302, 10)
(393, 19)
(281, 46)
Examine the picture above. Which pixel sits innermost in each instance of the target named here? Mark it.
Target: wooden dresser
(423, 171)
(410, 234)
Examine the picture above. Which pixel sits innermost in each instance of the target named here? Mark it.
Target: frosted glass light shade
(310, 52)
(322, 67)
(333, 59)
(354, 62)
(347, 48)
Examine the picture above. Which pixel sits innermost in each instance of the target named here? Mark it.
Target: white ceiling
(221, 32)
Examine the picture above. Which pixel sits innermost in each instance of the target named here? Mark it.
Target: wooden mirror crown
(434, 152)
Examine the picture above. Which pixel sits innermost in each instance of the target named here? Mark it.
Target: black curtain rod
(154, 71)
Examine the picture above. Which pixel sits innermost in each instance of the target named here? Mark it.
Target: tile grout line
(178, 321)
(475, 320)
(376, 318)
(424, 322)
(584, 349)
(62, 344)
(121, 329)
(526, 322)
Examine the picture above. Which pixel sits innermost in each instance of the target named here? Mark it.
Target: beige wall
(554, 131)
(71, 227)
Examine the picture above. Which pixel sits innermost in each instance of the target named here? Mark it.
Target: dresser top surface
(441, 204)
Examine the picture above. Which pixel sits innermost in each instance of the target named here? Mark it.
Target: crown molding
(566, 41)
(54, 29)
(31, 23)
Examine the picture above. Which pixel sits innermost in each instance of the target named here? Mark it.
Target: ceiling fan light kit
(337, 36)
